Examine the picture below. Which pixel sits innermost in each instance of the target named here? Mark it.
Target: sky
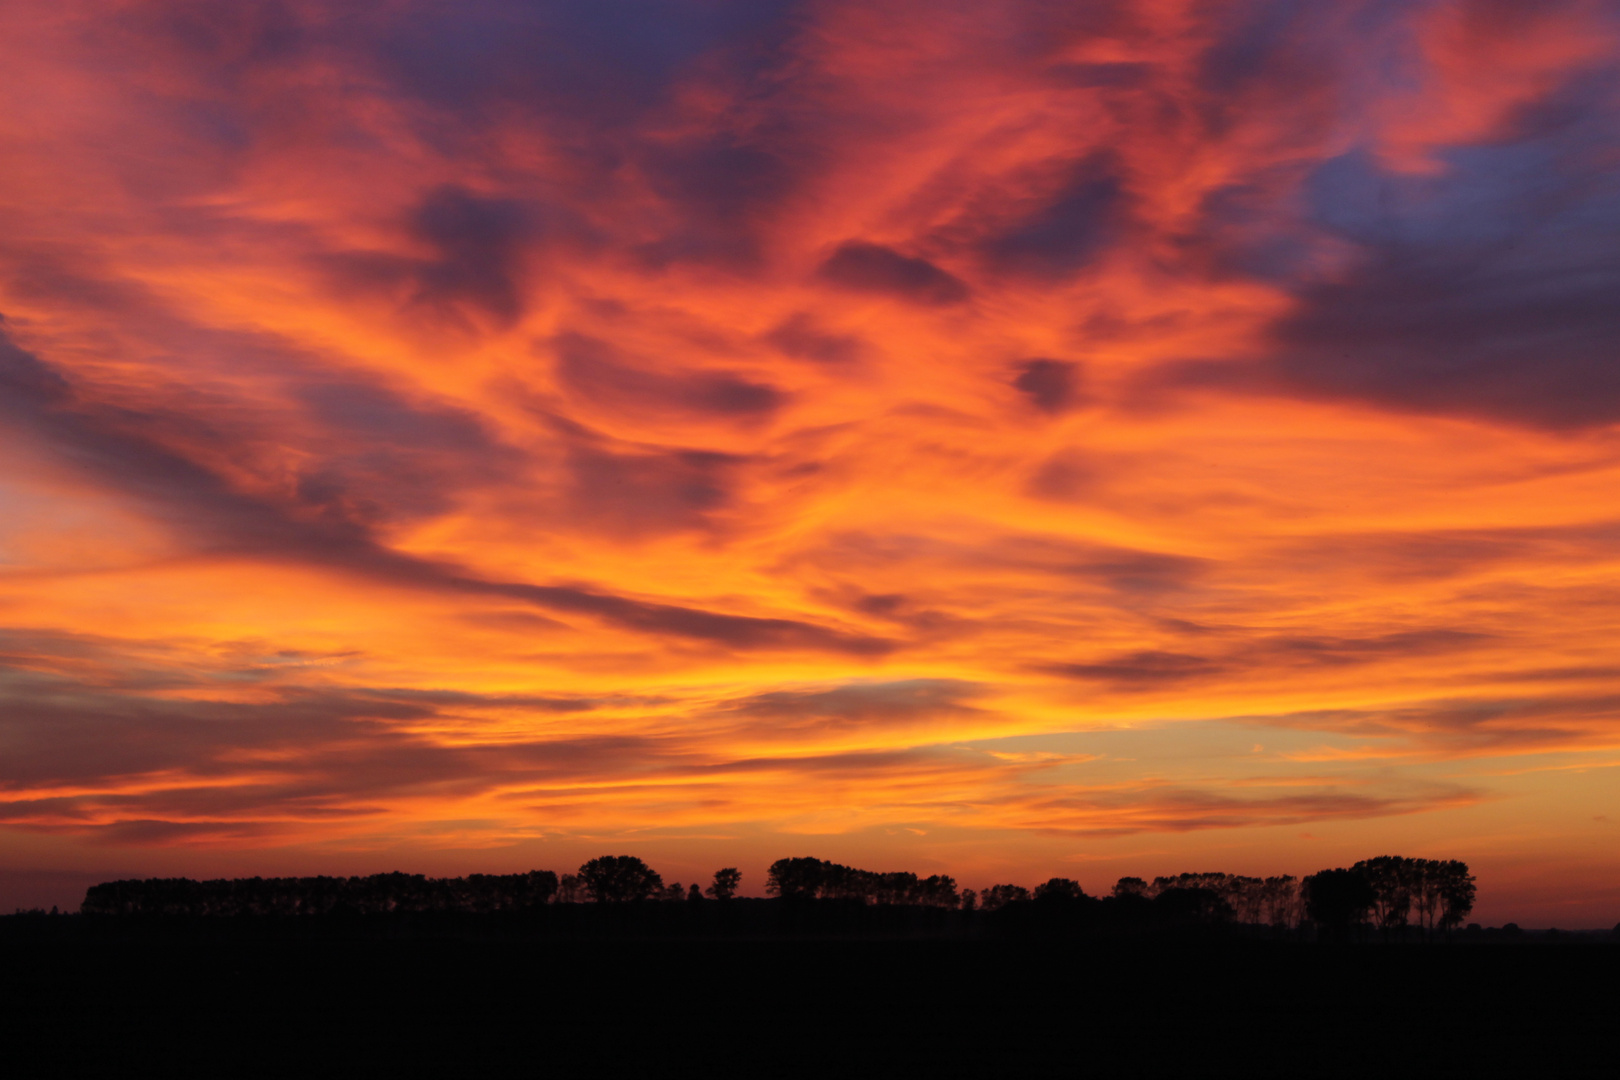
(1010, 440)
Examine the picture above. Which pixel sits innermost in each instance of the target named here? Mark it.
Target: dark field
(106, 998)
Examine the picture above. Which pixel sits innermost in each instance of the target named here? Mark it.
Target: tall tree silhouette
(1427, 898)
(570, 890)
(1281, 901)
(1393, 880)
(1456, 888)
(1440, 890)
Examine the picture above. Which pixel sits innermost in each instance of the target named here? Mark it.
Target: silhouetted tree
(794, 879)
(970, 899)
(1441, 891)
(999, 896)
(570, 890)
(802, 878)
(1337, 900)
(935, 890)
(1191, 905)
(1224, 885)
(1393, 880)
(612, 879)
(1456, 888)
(1247, 898)
(694, 893)
(897, 887)
(1130, 886)
(1059, 889)
(725, 883)
(1251, 900)
(1282, 901)
(1426, 898)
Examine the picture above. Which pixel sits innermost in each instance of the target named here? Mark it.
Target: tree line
(1386, 893)
(1181, 898)
(610, 879)
(372, 895)
(796, 879)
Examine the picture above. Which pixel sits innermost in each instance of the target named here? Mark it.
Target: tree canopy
(805, 878)
(617, 879)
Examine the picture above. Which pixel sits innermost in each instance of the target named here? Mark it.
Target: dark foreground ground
(376, 1001)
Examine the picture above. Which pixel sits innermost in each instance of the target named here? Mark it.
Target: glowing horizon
(1002, 440)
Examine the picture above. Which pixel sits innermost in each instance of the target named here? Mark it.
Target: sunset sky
(1005, 439)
